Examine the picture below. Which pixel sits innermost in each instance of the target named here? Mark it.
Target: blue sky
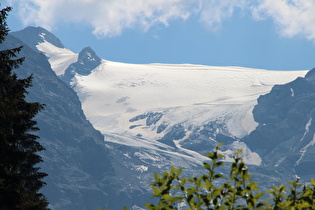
(268, 34)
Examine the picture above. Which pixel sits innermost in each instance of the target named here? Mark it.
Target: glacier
(183, 94)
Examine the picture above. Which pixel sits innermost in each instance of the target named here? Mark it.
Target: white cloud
(112, 17)
(107, 17)
(214, 12)
(293, 17)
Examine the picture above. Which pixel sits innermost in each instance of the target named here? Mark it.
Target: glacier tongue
(176, 105)
(185, 97)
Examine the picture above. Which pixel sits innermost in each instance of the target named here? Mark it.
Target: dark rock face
(206, 137)
(87, 61)
(76, 159)
(32, 36)
(84, 172)
(151, 118)
(177, 132)
(139, 117)
(161, 128)
(285, 135)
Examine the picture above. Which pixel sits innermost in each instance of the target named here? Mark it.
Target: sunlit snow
(193, 95)
(59, 58)
(115, 92)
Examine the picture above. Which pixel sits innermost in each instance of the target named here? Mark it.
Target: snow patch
(90, 57)
(292, 92)
(141, 168)
(307, 128)
(42, 35)
(280, 161)
(127, 155)
(248, 123)
(311, 143)
(248, 156)
(59, 58)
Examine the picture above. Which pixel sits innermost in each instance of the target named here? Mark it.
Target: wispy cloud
(293, 17)
(213, 12)
(112, 17)
(107, 17)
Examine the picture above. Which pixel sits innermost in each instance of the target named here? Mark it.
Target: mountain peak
(87, 54)
(310, 75)
(87, 61)
(32, 36)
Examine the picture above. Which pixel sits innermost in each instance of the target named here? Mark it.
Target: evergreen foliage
(20, 179)
(236, 191)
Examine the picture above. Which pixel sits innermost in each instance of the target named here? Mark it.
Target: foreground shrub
(214, 190)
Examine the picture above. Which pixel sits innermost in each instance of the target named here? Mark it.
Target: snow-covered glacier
(148, 103)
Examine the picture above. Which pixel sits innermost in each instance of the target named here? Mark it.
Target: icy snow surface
(116, 92)
(59, 58)
(192, 95)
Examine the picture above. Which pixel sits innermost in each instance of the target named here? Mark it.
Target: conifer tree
(20, 178)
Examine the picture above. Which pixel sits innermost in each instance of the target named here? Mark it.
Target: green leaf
(206, 166)
(156, 176)
(218, 164)
(217, 176)
(219, 145)
(237, 192)
(156, 192)
(167, 197)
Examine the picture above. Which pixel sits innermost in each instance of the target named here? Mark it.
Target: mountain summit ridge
(32, 36)
(86, 63)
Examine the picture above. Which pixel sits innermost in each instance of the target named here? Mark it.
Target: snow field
(192, 95)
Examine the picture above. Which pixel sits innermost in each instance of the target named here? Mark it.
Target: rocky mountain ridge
(81, 174)
(285, 135)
